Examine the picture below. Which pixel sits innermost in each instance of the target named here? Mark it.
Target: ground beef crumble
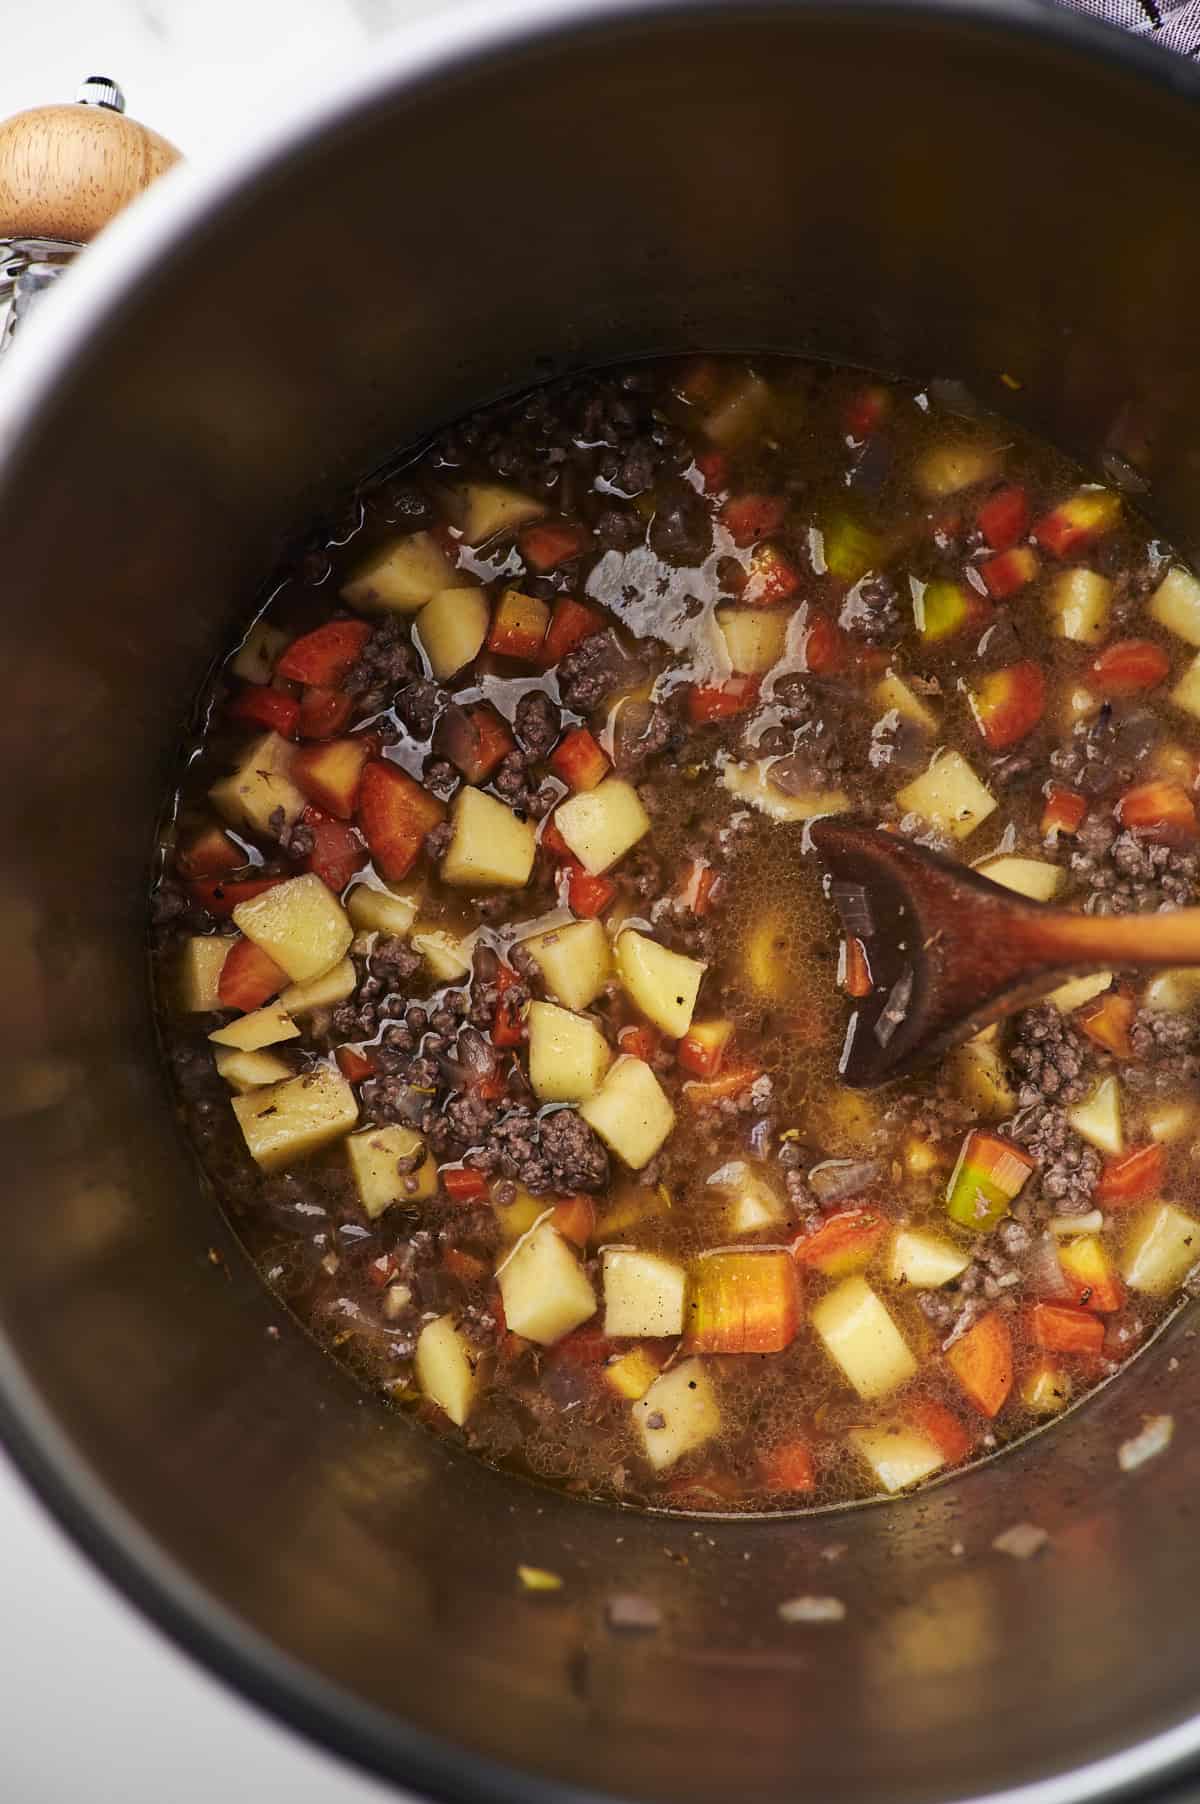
(1048, 1056)
(1124, 873)
(1069, 1169)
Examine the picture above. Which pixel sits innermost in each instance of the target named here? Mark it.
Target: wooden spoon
(949, 951)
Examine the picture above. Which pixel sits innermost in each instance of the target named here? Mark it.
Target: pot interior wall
(929, 194)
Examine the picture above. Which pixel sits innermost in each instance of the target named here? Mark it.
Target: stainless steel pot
(966, 190)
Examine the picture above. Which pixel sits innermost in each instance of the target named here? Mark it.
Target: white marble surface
(94, 1703)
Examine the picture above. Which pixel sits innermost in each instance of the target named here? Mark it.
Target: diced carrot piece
(854, 971)
(579, 761)
(324, 712)
(707, 702)
(639, 1042)
(700, 380)
(1009, 571)
(575, 1219)
(1004, 517)
(714, 470)
(1064, 811)
(826, 647)
(475, 740)
(221, 895)
(702, 1093)
(547, 546)
(325, 657)
(1107, 1020)
(1136, 1175)
(699, 882)
(864, 410)
(843, 1243)
(330, 773)
(586, 1346)
(750, 517)
(258, 706)
(208, 853)
(508, 1028)
(464, 1266)
(742, 1303)
(1089, 1268)
(1007, 704)
(588, 896)
(1127, 667)
(1062, 1328)
(355, 1065)
(787, 1468)
(703, 1047)
(462, 1183)
(248, 977)
(381, 1271)
(982, 1361)
(772, 577)
(1078, 522)
(1161, 810)
(337, 850)
(948, 1432)
(552, 840)
(519, 626)
(570, 624)
(395, 814)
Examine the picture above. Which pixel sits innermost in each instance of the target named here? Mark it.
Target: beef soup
(503, 998)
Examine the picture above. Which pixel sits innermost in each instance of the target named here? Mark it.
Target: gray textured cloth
(1173, 23)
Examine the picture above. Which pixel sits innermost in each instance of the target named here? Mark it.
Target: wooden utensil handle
(65, 171)
(1172, 938)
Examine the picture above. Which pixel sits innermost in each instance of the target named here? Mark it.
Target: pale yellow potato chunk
(401, 576)
(1032, 877)
(199, 972)
(1079, 602)
(980, 1077)
(661, 983)
(600, 825)
(861, 1337)
(754, 638)
(643, 1294)
(388, 911)
(568, 1055)
(751, 783)
(288, 1121)
(448, 955)
(949, 795)
(374, 1156)
(575, 960)
(545, 1291)
(445, 1366)
(892, 692)
(897, 1456)
(924, 1260)
(452, 627)
(631, 1112)
(1162, 1248)
(1175, 604)
(264, 1027)
(482, 509)
(945, 469)
(245, 1071)
(260, 651)
(1097, 1119)
(685, 1402)
(739, 412)
(300, 924)
(1175, 990)
(491, 848)
(259, 786)
(1077, 990)
(754, 1202)
(321, 992)
(1186, 693)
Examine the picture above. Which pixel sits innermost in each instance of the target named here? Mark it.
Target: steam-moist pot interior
(168, 460)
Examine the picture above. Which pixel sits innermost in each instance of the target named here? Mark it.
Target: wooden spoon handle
(1172, 938)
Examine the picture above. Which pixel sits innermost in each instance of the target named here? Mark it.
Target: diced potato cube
(1079, 603)
(765, 951)
(259, 786)
(260, 651)
(891, 691)
(321, 992)
(374, 1156)
(631, 1112)
(199, 972)
(575, 960)
(482, 509)
(754, 638)
(524, 1212)
(446, 1368)
(382, 910)
(1170, 1120)
(300, 924)
(1032, 877)
(643, 1294)
(1175, 604)
(898, 1456)
(949, 795)
(244, 1071)
(980, 1077)
(491, 848)
(401, 576)
(684, 1402)
(1162, 1248)
(452, 627)
(1097, 1119)
(1186, 693)
(924, 1260)
(632, 1374)
(1077, 990)
(600, 825)
(945, 469)
(265, 1027)
(860, 1336)
(751, 783)
(661, 983)
(739, 411)
(754, 1202)
(1175, 991)
(448, 955)
(290, 1120)
(1046, 1389)
(568, 1055)
(632, 1205)
(545, 1290)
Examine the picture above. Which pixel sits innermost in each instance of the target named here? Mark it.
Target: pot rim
(71, 320)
